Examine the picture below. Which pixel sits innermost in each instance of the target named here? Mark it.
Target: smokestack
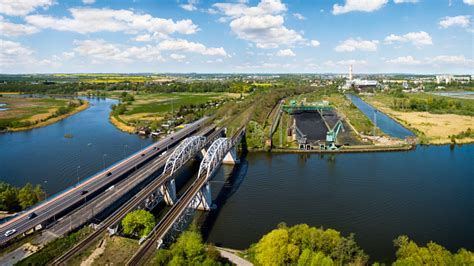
(350, 72)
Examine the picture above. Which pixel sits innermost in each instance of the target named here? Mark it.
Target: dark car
(84, 192)
(32, 215)
(109, 173)
(143, 154)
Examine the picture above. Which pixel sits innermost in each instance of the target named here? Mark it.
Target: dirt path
(97, 252)
(230, 255)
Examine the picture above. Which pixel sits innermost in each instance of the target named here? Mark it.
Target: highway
(75, 196)
(119, 214)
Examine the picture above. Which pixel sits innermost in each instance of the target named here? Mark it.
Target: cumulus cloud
(298, 16)
(22, 7)
(457, 60)
(101, 51)
(88, 2)
(13, 52)
(190, 5)
(461, 21)
(418, 39)
(404, 60)
(88, 20)
(469, 2)
(314, 43)
(286, 53)
(13, 29)
(331, 63)
(351, 45)
(262, 25)
(178, 57)
(358, 5)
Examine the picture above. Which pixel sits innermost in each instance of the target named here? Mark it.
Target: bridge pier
(168, 190)
(231, 157)
(203, 199)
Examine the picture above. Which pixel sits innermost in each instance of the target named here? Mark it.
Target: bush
(138, 223)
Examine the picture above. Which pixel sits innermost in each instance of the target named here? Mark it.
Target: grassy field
(434, 127)
(26, 113)
(149, 108)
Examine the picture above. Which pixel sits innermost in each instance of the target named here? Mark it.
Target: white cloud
(190, 5)
(404, 60)
(12, 29)
(13, 53)
(88, 20)
(351, 45)
(286, 53)
(469, 2)
(101, 52)
(462, 21)
(358, 5)
(458, 60)
(298, 16)
(405, 1)
(262, 25)
(314, 43)
(190, 47)
(418, 39)
(178, 57)
(331, 63)
(88, 2)
(22, 7)
(68, 55)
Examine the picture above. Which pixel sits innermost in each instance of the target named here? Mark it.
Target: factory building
(359, 84)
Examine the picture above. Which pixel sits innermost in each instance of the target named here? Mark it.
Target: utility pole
(375, 120)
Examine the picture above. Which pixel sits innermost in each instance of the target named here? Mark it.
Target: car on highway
(32, 215)
(84, 192)
(109, 173)
(10, 232)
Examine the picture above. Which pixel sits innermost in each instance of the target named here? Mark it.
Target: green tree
(409, 253)
(9, 198)
(305, 245)
(27, 196)
(189, 249)
(138, 223)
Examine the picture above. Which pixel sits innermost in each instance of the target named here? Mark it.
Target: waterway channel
(384, 122)
(425, 193)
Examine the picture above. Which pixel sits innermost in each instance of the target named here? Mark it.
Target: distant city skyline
(265, 36)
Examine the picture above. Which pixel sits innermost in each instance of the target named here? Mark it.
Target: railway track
(118, 215)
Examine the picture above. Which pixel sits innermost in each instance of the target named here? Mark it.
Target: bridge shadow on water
(231, 185)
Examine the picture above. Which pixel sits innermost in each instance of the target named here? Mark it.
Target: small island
(25, 112)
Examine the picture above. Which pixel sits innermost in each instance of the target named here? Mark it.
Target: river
(44, 156)
(426, 193)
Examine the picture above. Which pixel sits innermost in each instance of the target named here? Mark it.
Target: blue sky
(267, 36)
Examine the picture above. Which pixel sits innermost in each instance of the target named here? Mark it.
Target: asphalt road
(60, 204)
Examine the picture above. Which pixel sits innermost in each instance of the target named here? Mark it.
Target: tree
(138, 223)
(409, 253)
(27, 196)
(189, 249)
(305, 245)
(9, 198)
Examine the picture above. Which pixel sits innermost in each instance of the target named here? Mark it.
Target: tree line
(14, 199)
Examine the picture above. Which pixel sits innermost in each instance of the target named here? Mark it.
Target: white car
(10, 232)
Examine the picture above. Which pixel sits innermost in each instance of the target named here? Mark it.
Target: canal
(425, 194)
(384, 122)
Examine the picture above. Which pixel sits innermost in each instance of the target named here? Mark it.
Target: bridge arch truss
(186, 150)
(214, 156)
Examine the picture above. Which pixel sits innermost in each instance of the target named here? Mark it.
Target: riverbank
(352, 149)
(121, 125)
(53, 120)
(435, 129)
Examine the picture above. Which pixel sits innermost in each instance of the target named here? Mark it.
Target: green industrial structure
(295, 107)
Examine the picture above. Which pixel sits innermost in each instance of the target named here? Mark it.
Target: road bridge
(197, 196)
(50, 210)
(152, 194)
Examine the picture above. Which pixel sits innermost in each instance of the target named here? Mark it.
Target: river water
(384, 122)
(45, 156)
(426, 193)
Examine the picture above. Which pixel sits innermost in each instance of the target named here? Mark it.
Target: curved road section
(73, 197)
